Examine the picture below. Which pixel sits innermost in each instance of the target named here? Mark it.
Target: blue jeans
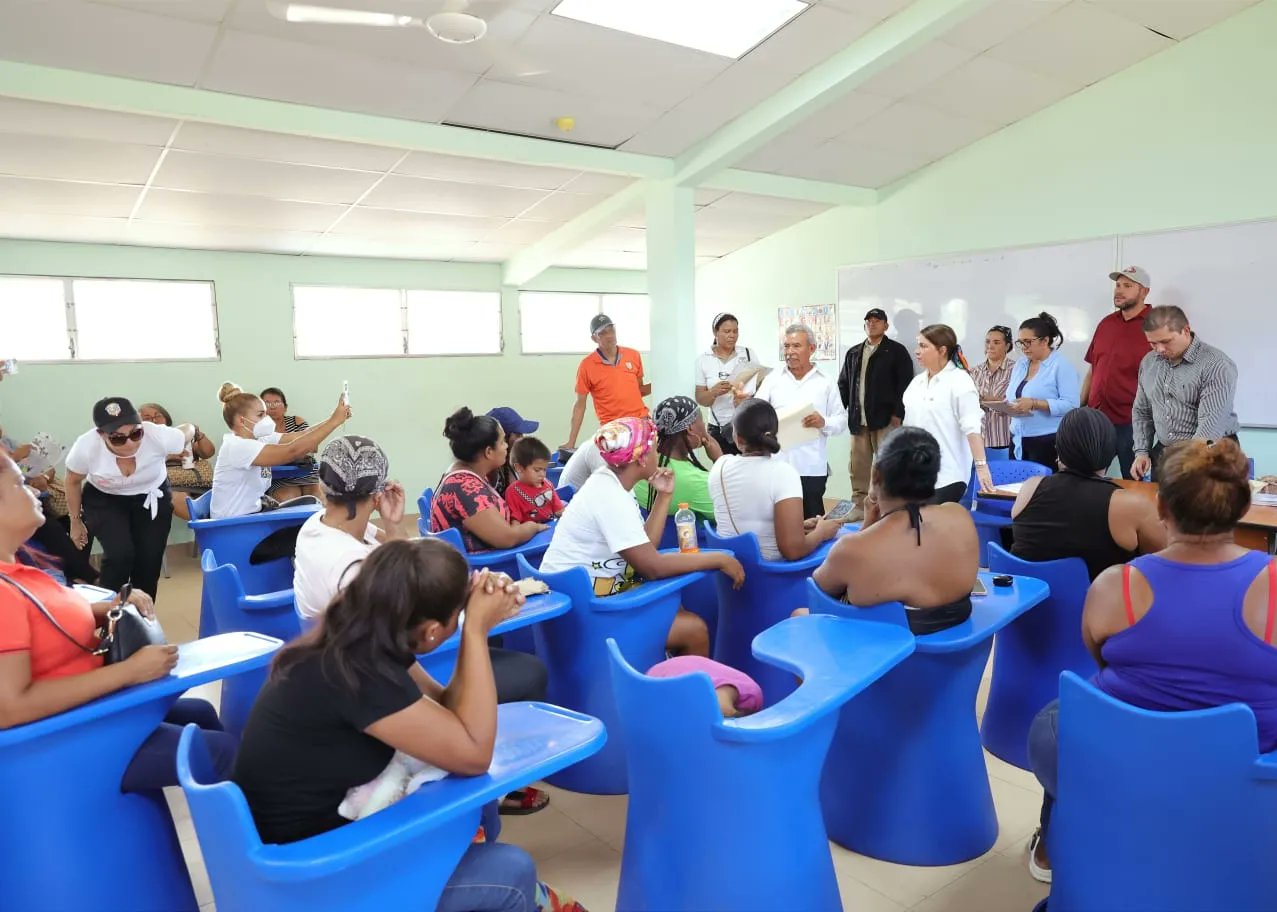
(154, 765)
(1125, 448)
(1044, 757)
(491, 877)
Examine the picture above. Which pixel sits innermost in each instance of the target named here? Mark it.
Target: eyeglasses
(1025, 343)
(121, 439)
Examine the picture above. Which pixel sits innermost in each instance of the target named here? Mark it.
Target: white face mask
(264, 427)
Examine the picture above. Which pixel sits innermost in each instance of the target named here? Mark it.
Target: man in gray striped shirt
(1185, 390)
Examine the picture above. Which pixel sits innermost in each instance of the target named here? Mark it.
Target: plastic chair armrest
(1266, 767)
(649, 592)
(268, 601)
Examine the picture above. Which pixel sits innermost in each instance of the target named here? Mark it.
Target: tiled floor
(577, 841)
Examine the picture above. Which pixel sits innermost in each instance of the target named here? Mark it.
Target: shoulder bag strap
(722, 479)
(45, 611)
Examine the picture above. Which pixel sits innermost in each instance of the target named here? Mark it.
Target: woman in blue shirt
(1043, 387)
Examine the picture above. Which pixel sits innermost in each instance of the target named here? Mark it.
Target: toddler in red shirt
(531, 498)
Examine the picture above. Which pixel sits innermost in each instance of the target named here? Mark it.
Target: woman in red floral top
(464, 499)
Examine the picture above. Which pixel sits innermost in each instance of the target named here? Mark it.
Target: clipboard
(1003, 407)
(791, 432)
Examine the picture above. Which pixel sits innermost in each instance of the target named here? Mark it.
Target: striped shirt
(1184, 401)
(992, 384)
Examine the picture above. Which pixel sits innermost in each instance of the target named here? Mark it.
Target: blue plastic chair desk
(1008, 471)
(64, 808)
(704, 788)
(772, 590)
(441, 660)
(285, 472)
(397, 859)
(233, 541)
(574, 649)
(1032, 651)
(905, 780)
(1161, 812)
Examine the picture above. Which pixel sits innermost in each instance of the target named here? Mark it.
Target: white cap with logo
(1135, 273)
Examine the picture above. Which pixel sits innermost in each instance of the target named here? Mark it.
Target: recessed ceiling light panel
(728, 28)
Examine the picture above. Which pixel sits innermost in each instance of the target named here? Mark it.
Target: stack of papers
(791, 432)
(1012, 487)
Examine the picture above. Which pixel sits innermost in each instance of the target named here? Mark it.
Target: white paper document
(791, 432)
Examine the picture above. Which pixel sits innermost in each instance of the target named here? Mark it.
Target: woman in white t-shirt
(126, 503)
(717, 375)
(252, 446)
(755, 493)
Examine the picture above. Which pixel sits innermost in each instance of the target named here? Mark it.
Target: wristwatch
(981, 462)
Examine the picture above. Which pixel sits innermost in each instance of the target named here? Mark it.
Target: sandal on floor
(522, 801)
(1039, 873)
(551, 900)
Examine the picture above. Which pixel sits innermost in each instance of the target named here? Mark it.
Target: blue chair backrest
(1174, 812)
(1009, 471)
(200, 507)
(1250, 461)
(1054, 628)
(231, 604)
(424, 503)
(566, 493)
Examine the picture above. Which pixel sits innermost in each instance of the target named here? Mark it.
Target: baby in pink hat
(738, 693)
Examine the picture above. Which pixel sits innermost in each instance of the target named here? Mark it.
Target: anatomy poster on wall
(823, 320)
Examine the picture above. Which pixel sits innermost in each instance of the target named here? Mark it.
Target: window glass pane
(552, 322)
(454, 323)
(337, 322)
(129, 320)
(632, 314)
(33, 315)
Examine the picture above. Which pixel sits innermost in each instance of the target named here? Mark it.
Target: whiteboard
(1223, 278)
(973, 292)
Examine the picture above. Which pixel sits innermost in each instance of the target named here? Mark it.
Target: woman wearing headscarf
(1078, 512)
(605, 533)
(680, 433)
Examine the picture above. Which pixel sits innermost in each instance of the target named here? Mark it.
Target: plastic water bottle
(685, 524)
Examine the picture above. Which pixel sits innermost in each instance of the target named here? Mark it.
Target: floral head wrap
(625, 440)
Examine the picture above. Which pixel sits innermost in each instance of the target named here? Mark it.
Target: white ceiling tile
(50, 197)
(76, 159)
(415, 46)
(562, 206)
(245, 176)
(493, 105)
(1081, 44)
(211, 11)
(38, 119)
(912, 72)
(859, 163)
(1000, 20)
(386, 223)
(582, 59)
(604, 259)
(633, 240)
(484, 171)
(236, 211)
(447, 197)
(392, 248)
(989, 89)
(77, 229)
(753, 202)
(706, 195)
(589, 182)
(739, 222)
(810, 38)
(267, 67)
(1180, 19)
(780, 153)
(280, 147)
(710, 245)
(871, 9)
(517, 232)
(104, 39)
(217, 237)
(732, 94)
(488, 252)
(933, 133)
(838, 117)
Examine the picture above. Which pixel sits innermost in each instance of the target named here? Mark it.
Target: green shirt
(691, 486)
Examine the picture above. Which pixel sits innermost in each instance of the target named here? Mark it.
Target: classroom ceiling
(71, 173)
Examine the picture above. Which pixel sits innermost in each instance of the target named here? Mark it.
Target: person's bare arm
(491, 527)
(23, 700)
(705, 395)
(1085, 396)
(645, 389)
(202, 446)
(428, 686)
(1103, 613)
(1026, 494)
(833, 572)
(791, 540)
(276, 454)
(1150, 533)
(578, 415)
(73, 484)
(650, 563)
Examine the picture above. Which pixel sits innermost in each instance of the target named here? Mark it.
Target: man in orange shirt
(613, 376)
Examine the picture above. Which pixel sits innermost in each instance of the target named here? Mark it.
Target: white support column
(671, 285)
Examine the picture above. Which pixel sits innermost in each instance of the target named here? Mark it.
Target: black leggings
(1040, 450)
(813, 495)
(723, 434)
(132, 542)
(950, 493)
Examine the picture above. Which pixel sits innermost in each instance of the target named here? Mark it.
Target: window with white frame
(67, 319)
(335, 322)
(554, 322)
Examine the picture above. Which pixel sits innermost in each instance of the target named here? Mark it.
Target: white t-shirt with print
(238, 485)
(581, 465)
(90, 457)
(322, 566)
(602, 520)
(753, 485)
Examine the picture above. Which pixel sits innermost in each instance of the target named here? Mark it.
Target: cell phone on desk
(841, 511)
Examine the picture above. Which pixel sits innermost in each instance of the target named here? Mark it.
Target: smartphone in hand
(841, 510)
(345, 392)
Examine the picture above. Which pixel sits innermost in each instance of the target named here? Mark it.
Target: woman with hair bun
(717, 371)
(252, 446)
(1044, 386)
(753, 492)
(909, 550)
(1193, 626)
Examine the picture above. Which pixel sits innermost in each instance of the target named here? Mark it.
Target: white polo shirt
(711, 370)
(948, 406)
(783, 390)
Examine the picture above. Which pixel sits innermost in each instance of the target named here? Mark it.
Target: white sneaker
(1039, 873)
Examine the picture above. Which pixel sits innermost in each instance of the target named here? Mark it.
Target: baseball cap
(353, 466)
(600, 321)
(511, 421)
(1135, 274)
(113, 413)
(878, 313)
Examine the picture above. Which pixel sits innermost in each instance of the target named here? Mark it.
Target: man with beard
(1117, 348)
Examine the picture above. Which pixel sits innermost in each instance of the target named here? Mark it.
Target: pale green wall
(1186, 138)
(400, 402)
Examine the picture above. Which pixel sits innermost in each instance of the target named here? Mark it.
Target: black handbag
(126, 631)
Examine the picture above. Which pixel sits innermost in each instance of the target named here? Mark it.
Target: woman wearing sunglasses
(126, 502)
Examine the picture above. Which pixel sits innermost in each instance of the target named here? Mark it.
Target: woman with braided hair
(681, 432)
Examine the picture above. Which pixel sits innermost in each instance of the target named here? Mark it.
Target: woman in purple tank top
(1190, 627)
